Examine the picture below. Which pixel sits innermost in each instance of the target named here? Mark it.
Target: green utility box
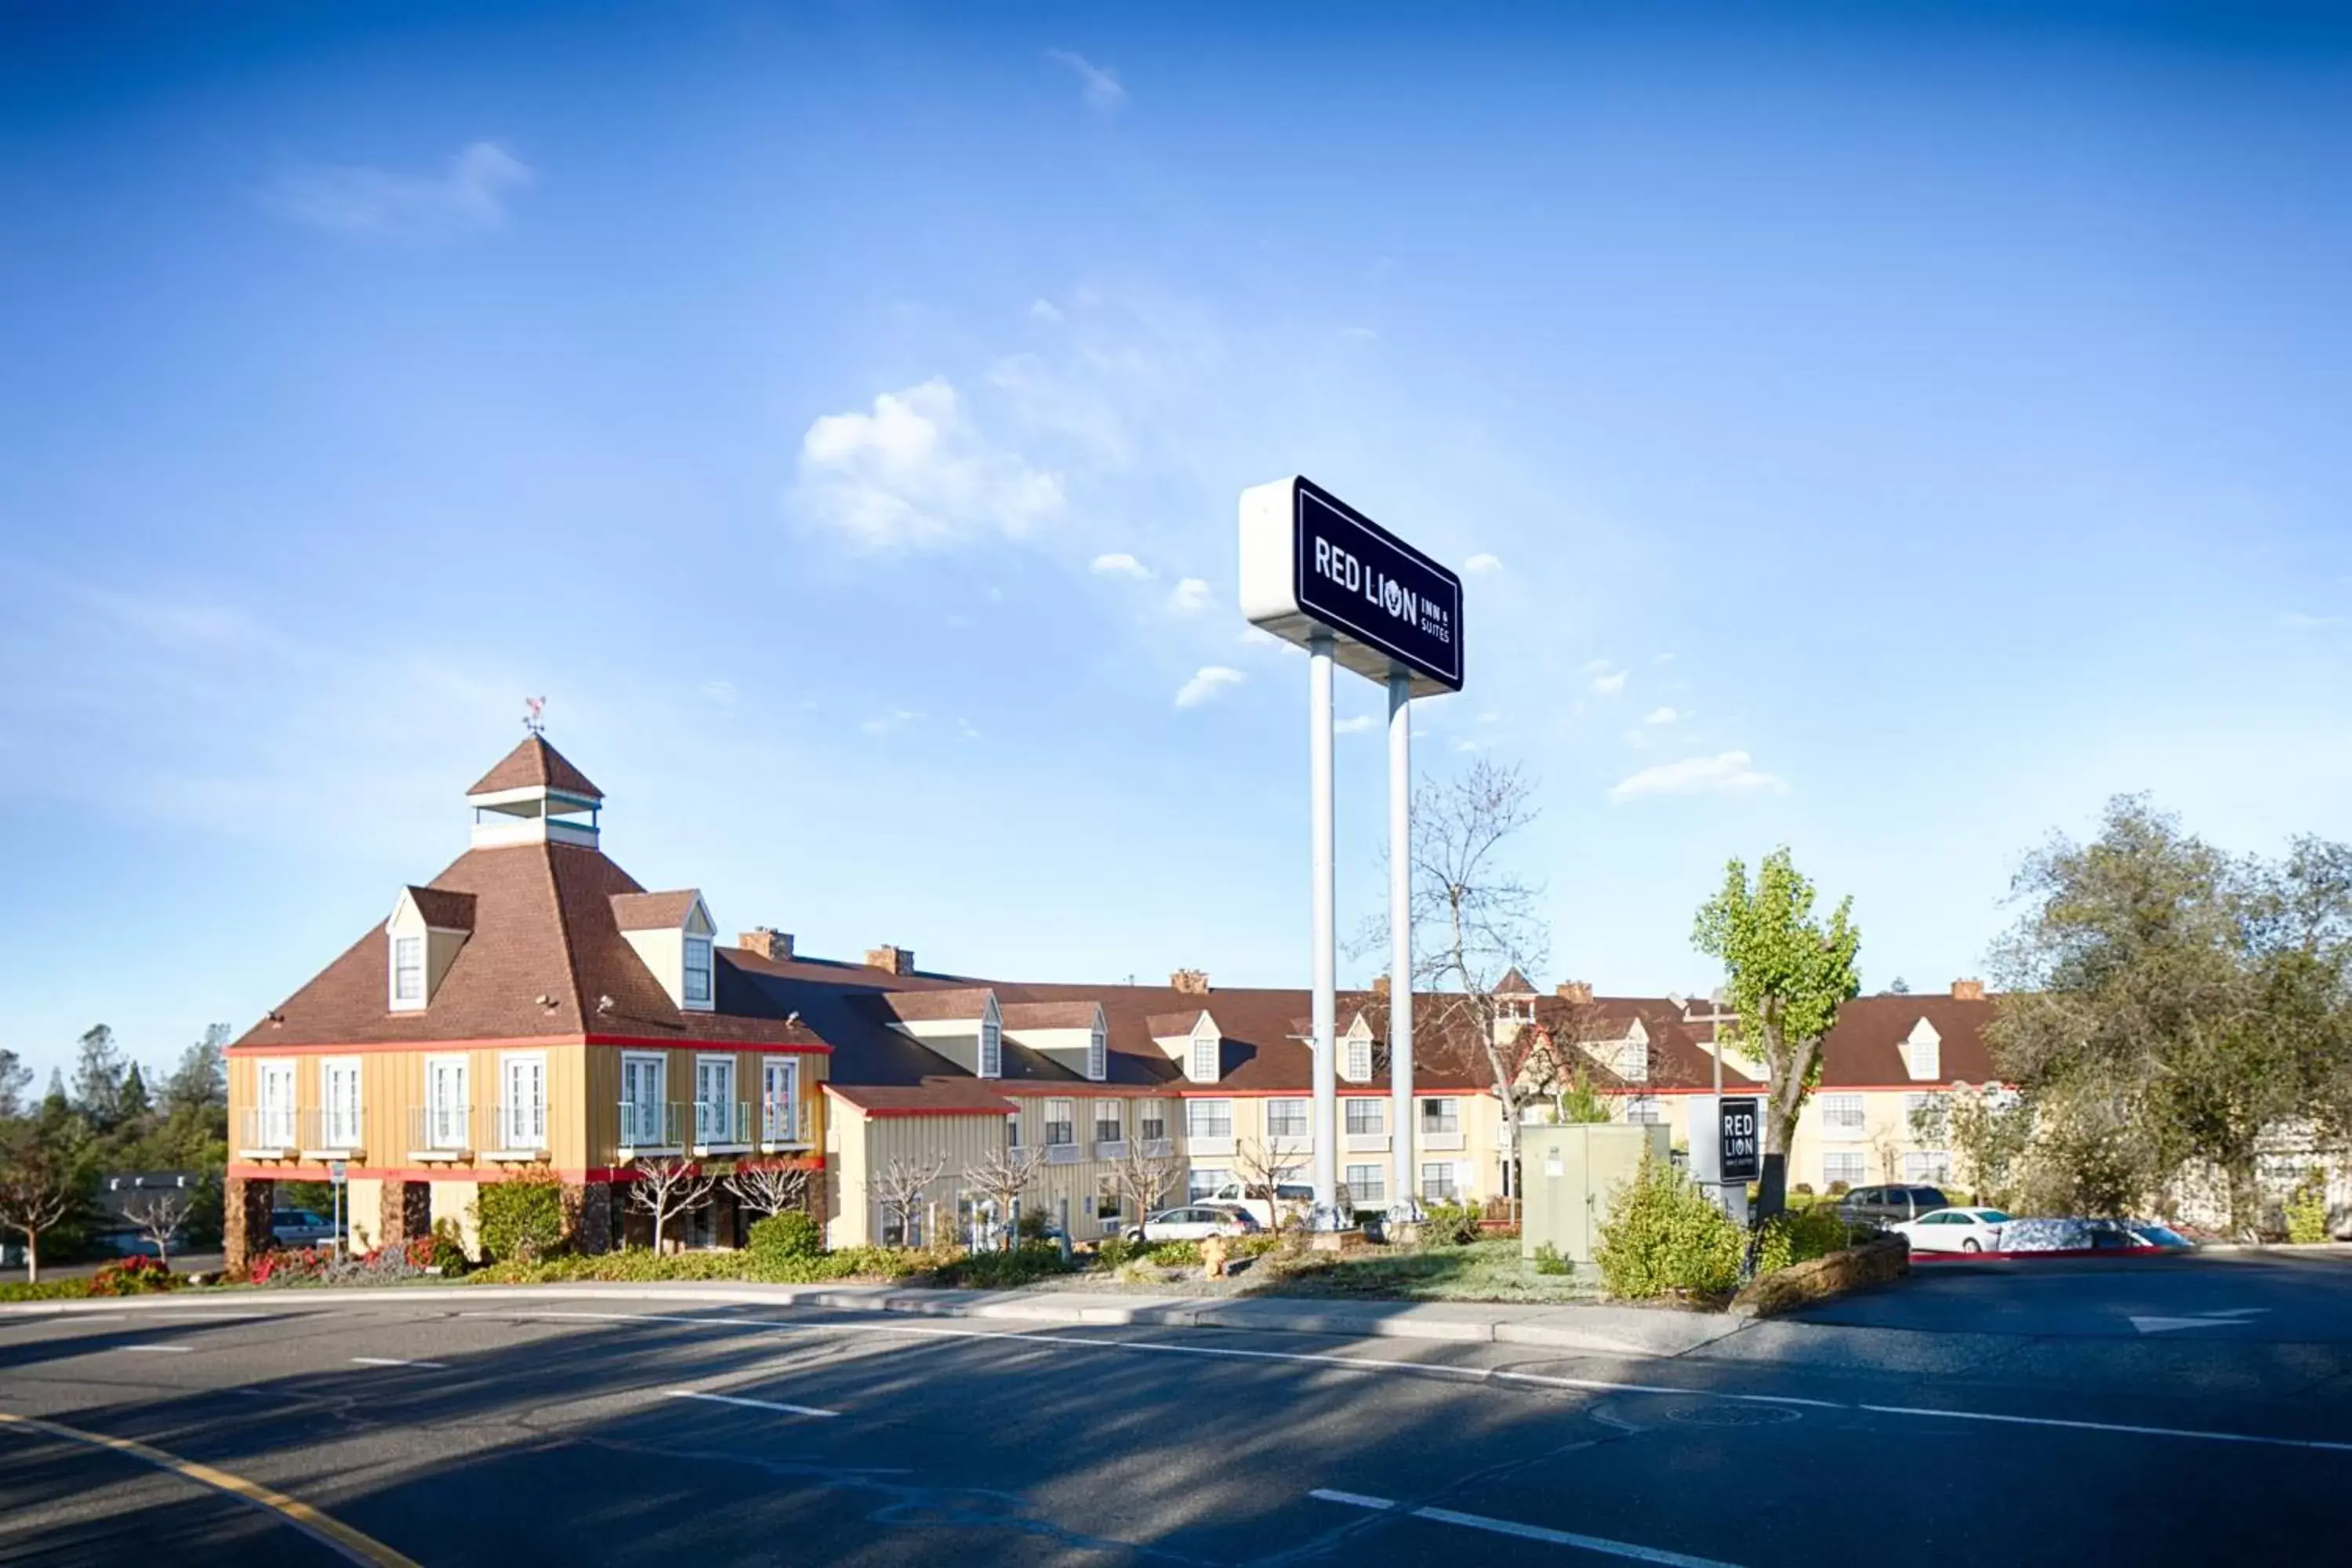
(1566, 1175)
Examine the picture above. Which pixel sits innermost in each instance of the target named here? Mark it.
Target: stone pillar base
(245, 1206)
(588, 1215)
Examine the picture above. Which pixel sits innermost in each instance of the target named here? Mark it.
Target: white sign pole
(1403, 1205)
(1326, 1125)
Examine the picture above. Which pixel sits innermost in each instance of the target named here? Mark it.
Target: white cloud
(1466, 745)
(1189, 596)
(1356, 335)
(1118, 563)
(1044, 310)
(915, 473)
(470, 198)
(898, 719)
(1610, 684)
(1483, 562)
(1355, 726)
(2296, 621)
(1596, 666)
(1212, 679)
(1659, 716)
(719, 691)
(1662, 658)
(1728, 773)
(1100, 86)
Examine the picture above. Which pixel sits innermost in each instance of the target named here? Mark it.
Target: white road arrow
(2165, 1325)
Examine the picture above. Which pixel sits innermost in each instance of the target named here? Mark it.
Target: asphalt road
(557, 1430)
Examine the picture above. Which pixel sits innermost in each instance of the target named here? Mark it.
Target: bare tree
(901, 1186)
(1262, 1168)
(1474, 920)
(666, 1188)
(770, 1189)
(1005, 1174)
(160, 1217)
(38, 1194)
(1144, 1176)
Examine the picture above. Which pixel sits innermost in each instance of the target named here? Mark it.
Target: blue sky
(1885, 430)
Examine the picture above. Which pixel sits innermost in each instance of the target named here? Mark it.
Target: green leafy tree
(15, 1079)
(134, 1105)
(201, 1080)
(1789, 970)
(2179, 1003)
(97, 1077)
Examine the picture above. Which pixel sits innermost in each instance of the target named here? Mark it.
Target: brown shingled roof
(443, 909)
(933, 1094)
(1514, 983)
(1048, 1015)
(945, 1004)
(652, 911)
(1865, 1049)
(535, 762)
(1167, 1026)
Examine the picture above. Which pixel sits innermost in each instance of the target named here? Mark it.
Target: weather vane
(534, 715)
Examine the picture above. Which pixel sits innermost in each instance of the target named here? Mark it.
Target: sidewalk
(1622, 1330)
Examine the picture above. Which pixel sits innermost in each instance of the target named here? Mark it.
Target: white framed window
(274, 1097)
(714, 1101)
(992, 1049)
(1632, 1061)
(1439, 1182)
(1107, 1209)
(1923, 1052)
(448, 1113)
(1098, 1057)
(780, 1099)
(1011, 1129)
(1359, 1065)
(697, 991)
(1645, 1108)
(1367, 1185)
(522, 1101)
(643, 1092)
(1208, 1118)
(1842, 1165)
(339, 1102)
(408, 971)
(1201, 1182)
(1366, 1118)
(1841, 1113)
(1152, 1120)
(1204, 1063)
(1061, 1122)
(1110, 1126)
(1932, 1165)
(1441, 1115)
(1285, 1118)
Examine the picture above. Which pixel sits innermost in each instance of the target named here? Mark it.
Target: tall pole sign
(1318, 572)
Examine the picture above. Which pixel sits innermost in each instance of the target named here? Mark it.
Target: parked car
(2076, 1235)
(1196, 1222)
(299, 1228)
(1879, 1207)
(1954, 1230)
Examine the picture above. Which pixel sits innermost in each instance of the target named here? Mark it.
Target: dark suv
(1879, 1207)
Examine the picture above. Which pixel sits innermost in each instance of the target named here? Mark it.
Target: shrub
(792, 1235)
(1177, 1254)
(520, 1217)
(1665, 1237)
(1036, 1225)
(1000, 1270)
(1799, 1236)
(2306, 1208)
(1450, 1225)
(1550, 1261)
(132, 1276)
(288, 1265)
(43, 1290)
(448, 1252)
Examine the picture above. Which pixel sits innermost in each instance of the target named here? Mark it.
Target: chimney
(1190, 981)
(1576, 991)
(1379, 984)
(891, 960)
(766, 942)
(1967, 990)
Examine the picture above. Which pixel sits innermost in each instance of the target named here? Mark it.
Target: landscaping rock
(1824, 1278)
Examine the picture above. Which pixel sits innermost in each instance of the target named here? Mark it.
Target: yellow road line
(329, 1530)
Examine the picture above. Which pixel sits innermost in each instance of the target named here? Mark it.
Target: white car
(1954, 1230)
(1196, 1222)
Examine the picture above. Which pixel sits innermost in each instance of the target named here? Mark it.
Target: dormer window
(1203, 1067)
(1097, 1055)
(697, 971)
(1923, 1053)
(672, 934)
(408, 971)
(1632, 1062)
(992, 1049)
(1360, 1059)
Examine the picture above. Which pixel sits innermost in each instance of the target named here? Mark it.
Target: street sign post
(336, 1171)
(1318, 572)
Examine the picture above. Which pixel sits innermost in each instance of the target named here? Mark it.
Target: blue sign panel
(1357, 578)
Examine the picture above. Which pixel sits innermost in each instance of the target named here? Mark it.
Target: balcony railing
(721, 1124)
(1110, 1148)
(1158, 1148)
(332, 1131)
(1061, 1153)
(519, 1129)
(652, 1126)
(782, 1125)
(441, 1131)
(268, 1129)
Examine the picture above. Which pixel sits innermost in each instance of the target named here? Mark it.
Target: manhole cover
(1722, 1414)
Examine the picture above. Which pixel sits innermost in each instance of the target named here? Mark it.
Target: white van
(1297, 1199)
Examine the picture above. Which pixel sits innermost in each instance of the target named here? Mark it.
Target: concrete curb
(1609, 1331)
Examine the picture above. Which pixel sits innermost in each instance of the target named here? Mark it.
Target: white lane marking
(2113, 1426)
(1414, 1368)
(748, 1403)
(1527, 1532)
(2152, 1325)
(390, 1361)
(157, 1350)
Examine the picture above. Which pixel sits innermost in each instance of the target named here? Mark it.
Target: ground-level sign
(1741, 1150)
